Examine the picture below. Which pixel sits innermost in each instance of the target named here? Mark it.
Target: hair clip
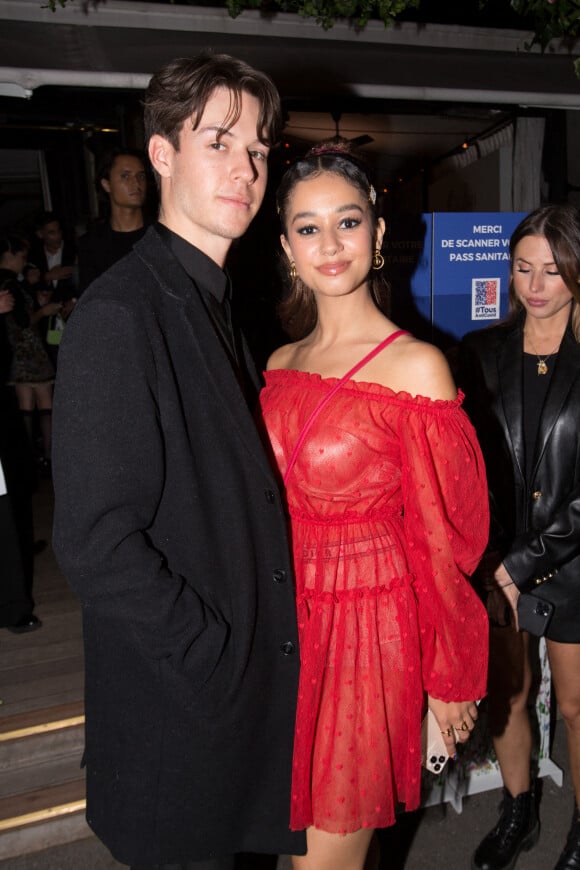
(330, 149)
(372, 195)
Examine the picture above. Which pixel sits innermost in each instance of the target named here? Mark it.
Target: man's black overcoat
(170, 527)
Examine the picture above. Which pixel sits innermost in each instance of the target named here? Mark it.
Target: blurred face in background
(14, 261)
(127, 182)
(51, 235)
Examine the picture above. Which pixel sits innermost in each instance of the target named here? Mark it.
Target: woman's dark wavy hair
(10, 243)
(297, 311)
(182, 88)
(560, 226)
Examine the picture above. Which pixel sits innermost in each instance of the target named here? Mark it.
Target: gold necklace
(542, 364)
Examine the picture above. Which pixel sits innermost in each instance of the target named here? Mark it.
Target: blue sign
(449, 272)
(470, 269)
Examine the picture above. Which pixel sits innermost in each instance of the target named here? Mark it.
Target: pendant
(542, 367)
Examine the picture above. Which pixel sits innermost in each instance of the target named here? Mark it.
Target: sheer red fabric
(389, 512)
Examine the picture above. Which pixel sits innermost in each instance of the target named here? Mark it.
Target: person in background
(31, 372)
(122, 182)
(51, 276)
(522, 382)
(55, 257)
(168, 519)
(17, 481)
(386, 492)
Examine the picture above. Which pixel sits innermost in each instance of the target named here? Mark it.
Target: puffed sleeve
(446, 519)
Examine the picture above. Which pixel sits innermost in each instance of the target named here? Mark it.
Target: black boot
(570, 857)
(517, 831)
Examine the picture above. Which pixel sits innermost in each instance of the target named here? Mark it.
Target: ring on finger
(464, 726)
(448, 733)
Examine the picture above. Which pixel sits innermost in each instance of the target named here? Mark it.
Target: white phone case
(434, 751)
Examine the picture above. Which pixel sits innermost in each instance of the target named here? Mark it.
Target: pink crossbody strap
(306, 428)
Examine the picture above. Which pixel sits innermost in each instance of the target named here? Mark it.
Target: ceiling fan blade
(359, 141)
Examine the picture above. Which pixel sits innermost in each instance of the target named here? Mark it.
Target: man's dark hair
(181, 89)
(107, 161)
(44, 218)
(10, 243)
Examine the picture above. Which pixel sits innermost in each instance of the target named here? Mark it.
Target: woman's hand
(58, 273)
(46, 310)
(67, 308)
(499, 611)
(509, 589)
(487, 568)
(456, 720)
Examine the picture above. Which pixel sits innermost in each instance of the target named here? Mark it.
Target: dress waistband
(347, 518)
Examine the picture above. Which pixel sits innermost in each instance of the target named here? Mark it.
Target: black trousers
(15, 599)
(211, 864)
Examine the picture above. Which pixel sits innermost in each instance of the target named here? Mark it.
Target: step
(41, 818)
(37, 721)
(42, 788)
(31, 738)
(51, 772)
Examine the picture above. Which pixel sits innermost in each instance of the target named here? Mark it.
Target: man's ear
(160, 155)
(106, 185)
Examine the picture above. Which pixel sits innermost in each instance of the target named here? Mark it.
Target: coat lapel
(566, 371)
(218, 370)
(510, 379)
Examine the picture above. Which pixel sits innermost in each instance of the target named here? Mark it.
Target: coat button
(270, 496)
(287, 648)
(536, 495)
(279, 575)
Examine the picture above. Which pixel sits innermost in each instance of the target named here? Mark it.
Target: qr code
(485, 291)
(485, 296)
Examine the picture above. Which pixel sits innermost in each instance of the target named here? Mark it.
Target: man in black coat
(55, 257)
(169, 522)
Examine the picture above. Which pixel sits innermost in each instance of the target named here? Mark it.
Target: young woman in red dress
(387, 499)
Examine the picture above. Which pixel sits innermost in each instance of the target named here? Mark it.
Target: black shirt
(535, 390)
(101, 248)
(214, 288)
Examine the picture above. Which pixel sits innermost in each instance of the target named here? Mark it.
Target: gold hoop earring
(293, 272)
(378, 260)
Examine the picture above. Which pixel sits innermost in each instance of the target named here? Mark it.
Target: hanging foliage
(549, 19)
(553, 19)
(325, 12)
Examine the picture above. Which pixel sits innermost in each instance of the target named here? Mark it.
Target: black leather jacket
(535, 527)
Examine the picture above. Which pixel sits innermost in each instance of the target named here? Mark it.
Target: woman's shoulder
(420, 368)
(283, 357)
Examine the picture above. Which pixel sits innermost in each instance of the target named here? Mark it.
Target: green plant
(551, 19)
(325, 12)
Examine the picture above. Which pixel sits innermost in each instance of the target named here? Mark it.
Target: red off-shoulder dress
(389, 513)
